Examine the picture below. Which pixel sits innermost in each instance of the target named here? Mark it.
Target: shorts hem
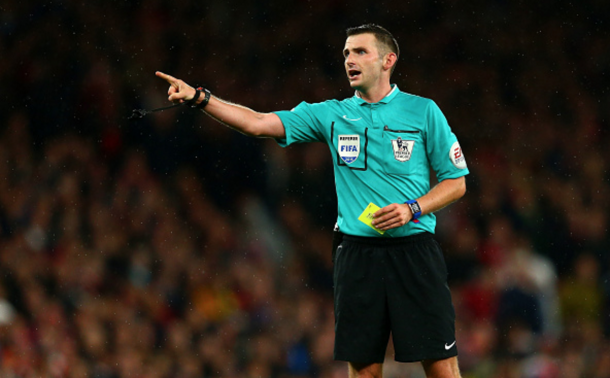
(422, 357)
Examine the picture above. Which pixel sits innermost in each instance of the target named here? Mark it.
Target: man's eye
(361, 52)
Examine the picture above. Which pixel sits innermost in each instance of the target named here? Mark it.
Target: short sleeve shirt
(382, 153)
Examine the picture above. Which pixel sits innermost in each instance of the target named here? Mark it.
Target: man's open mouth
(353, 73)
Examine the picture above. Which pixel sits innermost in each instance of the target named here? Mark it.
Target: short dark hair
(384, 38)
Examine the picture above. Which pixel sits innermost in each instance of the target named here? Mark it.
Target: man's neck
(376, 94)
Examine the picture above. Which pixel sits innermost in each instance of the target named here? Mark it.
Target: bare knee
(447, 368)
(357, 370)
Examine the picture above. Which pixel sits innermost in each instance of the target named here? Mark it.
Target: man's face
(363, 64)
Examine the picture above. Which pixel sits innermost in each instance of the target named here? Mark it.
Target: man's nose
(349, 60)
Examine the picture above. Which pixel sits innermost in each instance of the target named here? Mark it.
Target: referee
(390, 276)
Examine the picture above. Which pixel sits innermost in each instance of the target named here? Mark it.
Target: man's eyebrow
(357, 48)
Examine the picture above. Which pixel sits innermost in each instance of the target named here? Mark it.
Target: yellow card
(367, 216)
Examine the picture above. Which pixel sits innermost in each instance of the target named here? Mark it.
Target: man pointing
(389, 275)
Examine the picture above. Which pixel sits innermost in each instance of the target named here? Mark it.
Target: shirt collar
(384, 100)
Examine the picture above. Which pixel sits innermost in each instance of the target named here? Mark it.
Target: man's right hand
(178, 91)
(240, 118)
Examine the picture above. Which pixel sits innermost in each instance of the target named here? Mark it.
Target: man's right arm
(237, 117)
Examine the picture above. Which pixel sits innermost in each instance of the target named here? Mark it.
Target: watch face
(415, 208)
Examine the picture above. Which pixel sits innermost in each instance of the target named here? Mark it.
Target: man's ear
(389, 60)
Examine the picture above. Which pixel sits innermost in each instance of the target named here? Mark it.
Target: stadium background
(173, 247)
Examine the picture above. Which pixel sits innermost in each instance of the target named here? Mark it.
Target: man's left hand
(392, 216)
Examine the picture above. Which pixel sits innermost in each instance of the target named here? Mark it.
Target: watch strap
(415, 209)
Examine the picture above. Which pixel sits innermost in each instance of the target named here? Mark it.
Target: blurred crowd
(173, 247)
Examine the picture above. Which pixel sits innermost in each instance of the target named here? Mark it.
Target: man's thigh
(362, 328)
(421, 314)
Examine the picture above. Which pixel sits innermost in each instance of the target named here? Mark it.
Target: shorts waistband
(416, 238)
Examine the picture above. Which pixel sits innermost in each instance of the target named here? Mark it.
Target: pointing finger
(170, 79)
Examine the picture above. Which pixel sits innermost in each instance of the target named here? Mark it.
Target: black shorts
(397, 286)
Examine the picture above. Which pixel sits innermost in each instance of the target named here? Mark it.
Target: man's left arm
(444, 193)
(446, 159)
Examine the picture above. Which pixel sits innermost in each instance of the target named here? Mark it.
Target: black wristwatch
(206, 99)
(193, 102)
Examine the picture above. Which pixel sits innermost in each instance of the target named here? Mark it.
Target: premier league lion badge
(402, 149)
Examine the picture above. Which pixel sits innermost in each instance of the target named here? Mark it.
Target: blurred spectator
(581, 295)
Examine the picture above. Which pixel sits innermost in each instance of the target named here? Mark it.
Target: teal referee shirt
(382, 152)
